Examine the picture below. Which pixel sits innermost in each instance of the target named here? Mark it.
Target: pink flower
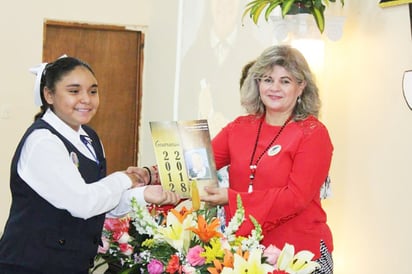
(103, 249)
(155, 267)
(271, 253)
(126, 249)
(117, 226)
(193, 256)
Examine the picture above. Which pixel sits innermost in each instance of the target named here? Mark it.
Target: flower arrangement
(192, 241)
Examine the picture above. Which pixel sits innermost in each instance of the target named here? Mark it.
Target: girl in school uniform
(60, 191)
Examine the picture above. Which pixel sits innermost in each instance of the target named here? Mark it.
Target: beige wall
(363, 107)
(370, 124)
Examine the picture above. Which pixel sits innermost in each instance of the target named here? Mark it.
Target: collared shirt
(47, 168)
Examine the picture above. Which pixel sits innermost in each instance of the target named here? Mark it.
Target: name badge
(74, 158)
(274, 150)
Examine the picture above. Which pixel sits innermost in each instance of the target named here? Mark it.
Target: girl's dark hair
(53, 73)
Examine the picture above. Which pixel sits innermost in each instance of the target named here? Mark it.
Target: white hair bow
(38, 71)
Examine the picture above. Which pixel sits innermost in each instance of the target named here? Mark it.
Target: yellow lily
(176, 233)
(213, 251)
(301, 263)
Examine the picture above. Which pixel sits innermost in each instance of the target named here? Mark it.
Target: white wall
(21, 30)
(363, 107)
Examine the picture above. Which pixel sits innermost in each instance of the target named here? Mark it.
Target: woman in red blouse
(278, 155)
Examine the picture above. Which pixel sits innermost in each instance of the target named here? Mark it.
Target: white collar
(64, 129)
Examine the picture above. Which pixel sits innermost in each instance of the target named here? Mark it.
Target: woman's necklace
(252, 165)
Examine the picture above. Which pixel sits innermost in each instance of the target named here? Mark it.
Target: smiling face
(75, 98)
(279, 91)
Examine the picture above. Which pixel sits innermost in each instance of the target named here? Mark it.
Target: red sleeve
(275, 206)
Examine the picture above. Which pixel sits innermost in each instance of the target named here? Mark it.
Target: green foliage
(317, 8)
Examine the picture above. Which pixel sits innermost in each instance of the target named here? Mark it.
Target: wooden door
(116, 56)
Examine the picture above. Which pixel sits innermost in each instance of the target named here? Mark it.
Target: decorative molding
(407, 87)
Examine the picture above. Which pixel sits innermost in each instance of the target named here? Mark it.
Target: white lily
(176, 233)
(301, 263)
(252, 265)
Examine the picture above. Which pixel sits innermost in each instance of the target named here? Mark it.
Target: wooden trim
(93, 25)
(140, 62)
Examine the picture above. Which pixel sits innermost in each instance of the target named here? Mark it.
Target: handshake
(139, 176)
(153, 193)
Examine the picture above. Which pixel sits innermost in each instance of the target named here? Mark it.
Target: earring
(299, 100)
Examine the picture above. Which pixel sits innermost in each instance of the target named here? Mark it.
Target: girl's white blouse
(49, 170)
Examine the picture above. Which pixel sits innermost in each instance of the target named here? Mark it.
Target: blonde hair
(293, 61)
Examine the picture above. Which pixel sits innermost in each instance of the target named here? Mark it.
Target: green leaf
(271, 7)
(249, 7)
(256, 6)
(286, 6)
(319, 18)
(253, 3)
(319, 4)
(258, 10)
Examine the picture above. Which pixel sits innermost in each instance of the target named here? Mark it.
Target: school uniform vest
(43, 238)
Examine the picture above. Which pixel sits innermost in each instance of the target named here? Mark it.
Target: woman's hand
(155, 194)
(216, 196)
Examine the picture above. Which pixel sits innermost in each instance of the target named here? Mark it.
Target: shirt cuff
(125, 205)
(126, 181)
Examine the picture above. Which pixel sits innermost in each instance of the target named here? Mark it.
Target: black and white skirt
(325, 260)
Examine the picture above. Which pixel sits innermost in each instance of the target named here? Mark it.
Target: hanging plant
(317, 8)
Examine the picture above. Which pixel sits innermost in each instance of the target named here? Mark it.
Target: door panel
(116, 56)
